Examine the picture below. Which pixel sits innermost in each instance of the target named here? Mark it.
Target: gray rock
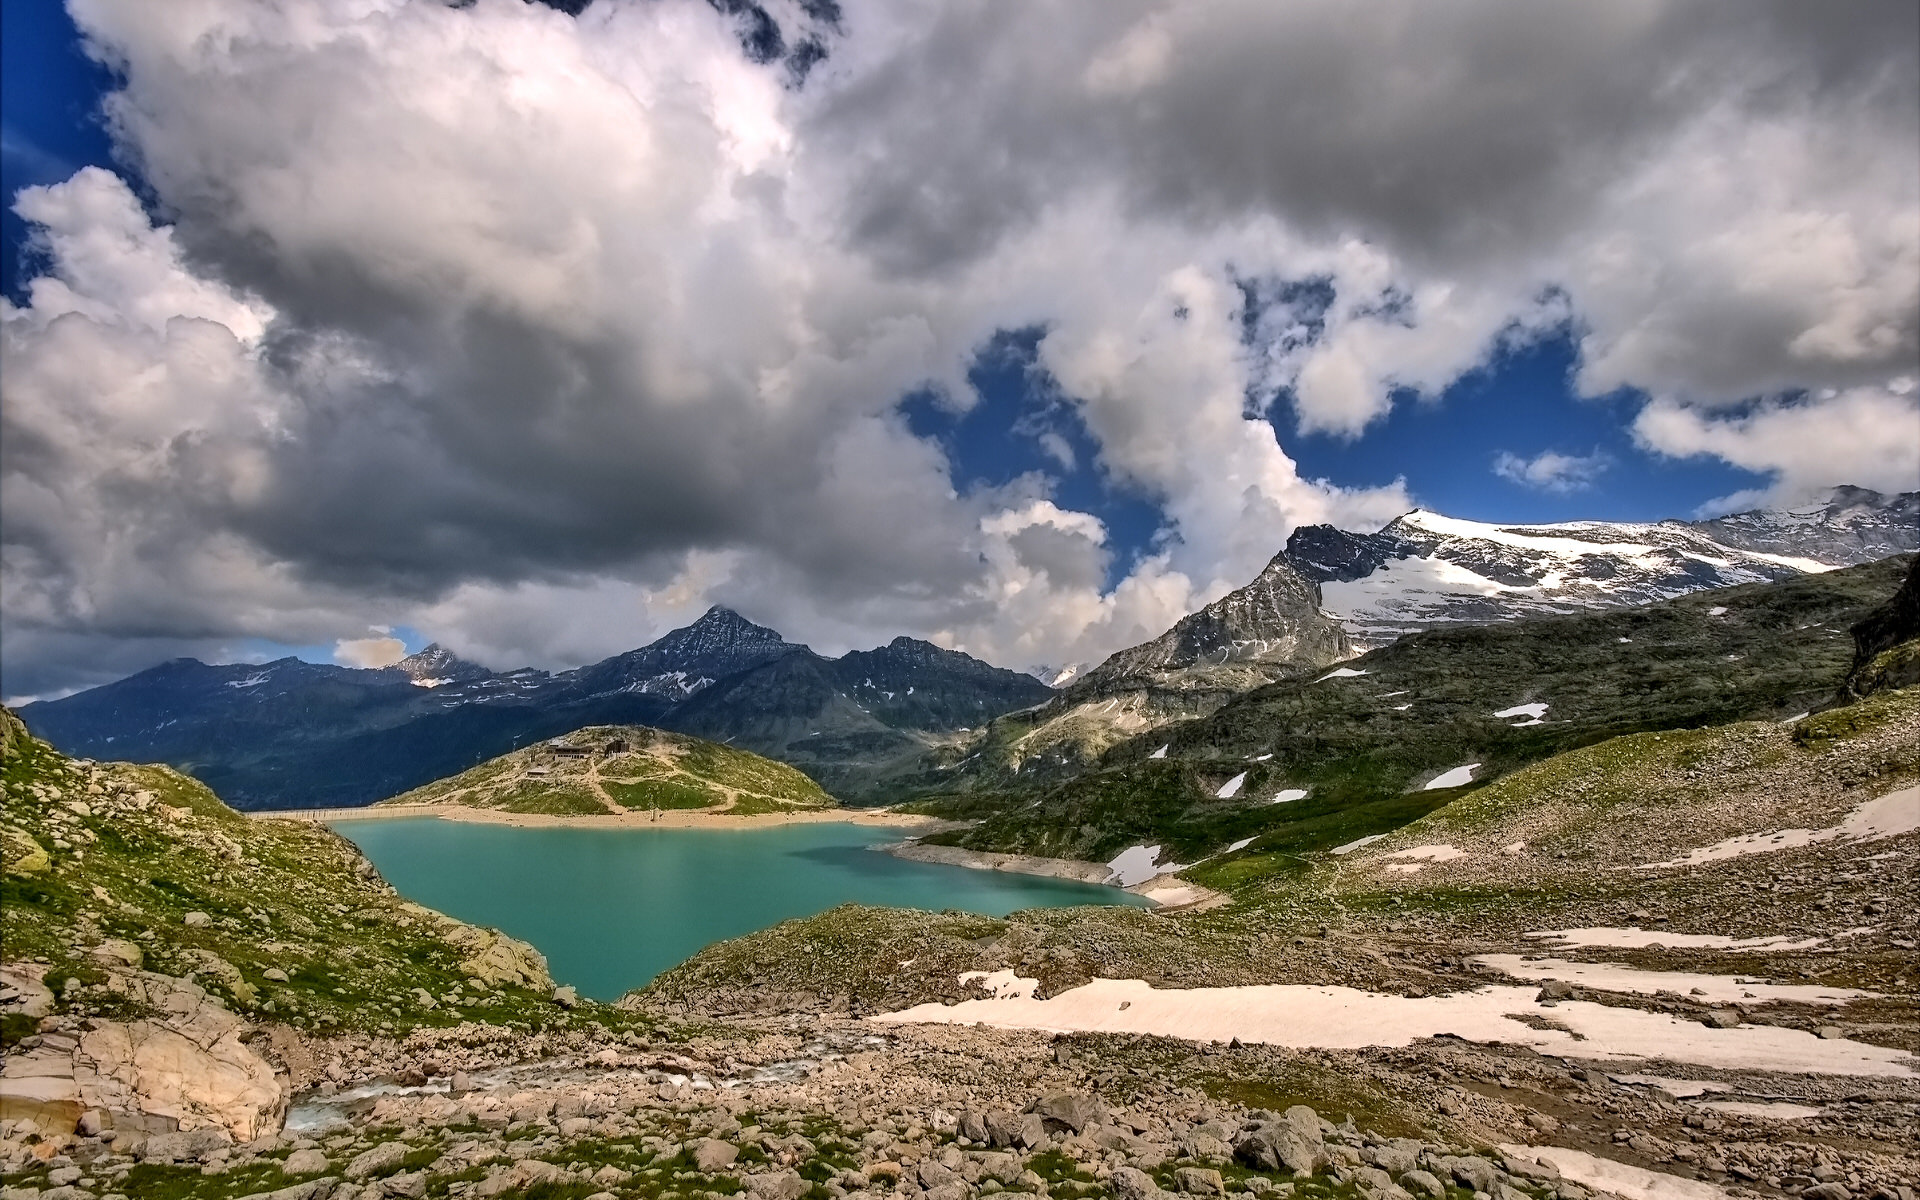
(1830, 1032)
(1472, 1171)
(1555, 989)
(1030, 1132)
(566, 997)
(1306, 1121)
(377, 1161)
(712, 1154)
(776, 1185)
(1423, 1183)
(313, 1189)
(1199, 1181)
(410, 1186)
(1207, 1148)
(1827, 1191)
(1278, 1146)
(1131, 1183)
(934, 1174)
(1070, 1109)
(1396, 1156)
(305, 1162)
(973, 1126)
(1372, 1181)
(1721, 1018)
(184, 1147)
(1002, 1129)
(1003, 1168)
(957, 1190)
(196, 920)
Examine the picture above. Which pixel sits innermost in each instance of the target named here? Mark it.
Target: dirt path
(600, 793)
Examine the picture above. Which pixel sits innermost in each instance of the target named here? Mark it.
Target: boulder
(712, 1154)
(1199, 1181)
(1278, 1146)
(776, 1185)
(498, 960)
(185, 1069)
(305, 1162)
(380, 1160)
(1131, 1183)
(1070, 1110)
(1423, 1183)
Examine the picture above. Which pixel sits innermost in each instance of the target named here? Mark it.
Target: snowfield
(1306, 1016)
(1457, 777)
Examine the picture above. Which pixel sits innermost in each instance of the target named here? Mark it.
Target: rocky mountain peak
(438, 662)
(1275, 619)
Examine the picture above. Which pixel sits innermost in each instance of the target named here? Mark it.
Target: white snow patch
(1288, 795)
(1004, 984)
(1795, 717)
(1231, 787)
(1391, 695)
(1679, 1089)
(1711, 989)
(1536, 711)
(1718, 610)
(1777, 1110)
(1341, 673)
(1308, 1016)
(1617, 1178)
(1402, 707)
(249, 681)
(1350, 847)
(1161, 752)
(1634, 937)
(1891, 815)
(1242, 844)
(433, 683)
(1514, 848)
(1261, 757)
(1137, 864)
(1453, 778)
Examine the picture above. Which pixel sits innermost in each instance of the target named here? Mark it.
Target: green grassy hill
(1362, 742)
(626, 768)
(114, 866)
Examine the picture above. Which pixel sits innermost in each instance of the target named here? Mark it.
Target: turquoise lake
(612, 908)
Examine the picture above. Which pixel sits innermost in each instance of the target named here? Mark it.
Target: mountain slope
(1425, 570)
(1387, 736)
(1270, 629)
(292, 734)
(625, 768)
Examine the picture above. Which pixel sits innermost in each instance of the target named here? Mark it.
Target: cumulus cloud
(1551, 471)
(1865, 436)
(377, 650)
(540, 332)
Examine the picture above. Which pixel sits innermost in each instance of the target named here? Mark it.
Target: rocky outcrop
(1887, 643)
(498, 960)
(185, 1068)
(1275, 620)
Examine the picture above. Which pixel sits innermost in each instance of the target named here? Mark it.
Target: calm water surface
(612, 908)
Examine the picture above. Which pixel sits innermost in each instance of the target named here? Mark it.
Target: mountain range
(1333, 594)
(294, 734)
(910, 718)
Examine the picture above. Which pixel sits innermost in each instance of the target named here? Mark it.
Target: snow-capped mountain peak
(1426, 569)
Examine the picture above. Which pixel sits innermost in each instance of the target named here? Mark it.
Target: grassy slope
(1676, 789)
(660, 770)
(1775, 651)
(131, 850)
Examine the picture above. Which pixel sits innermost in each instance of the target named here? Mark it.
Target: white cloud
(540, 333)
(1551, 471)
(376, 651)
(1864, 436)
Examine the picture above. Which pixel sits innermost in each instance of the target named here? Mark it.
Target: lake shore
(666, 819)
(1166, 892)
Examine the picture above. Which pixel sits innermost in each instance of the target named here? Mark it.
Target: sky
(1024, 326)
